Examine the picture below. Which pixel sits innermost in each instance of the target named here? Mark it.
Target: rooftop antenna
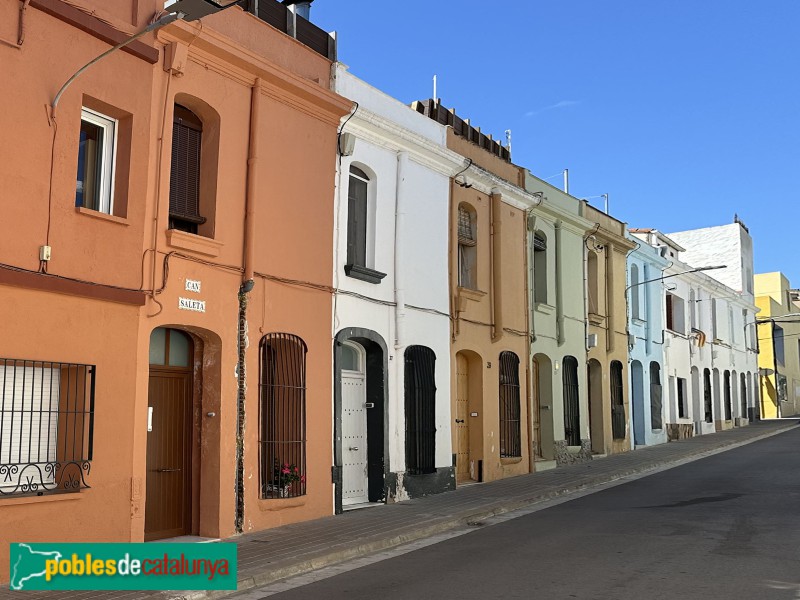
(566, 181)
(508, 140)
(435, 97)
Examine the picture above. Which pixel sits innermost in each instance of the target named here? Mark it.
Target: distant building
(779, 344)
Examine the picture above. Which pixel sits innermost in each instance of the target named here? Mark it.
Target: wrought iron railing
(46, 426)
(282, 393)
(510, 441)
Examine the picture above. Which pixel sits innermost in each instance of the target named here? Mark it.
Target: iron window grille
(420, 399)
(572, 415)
(282, 418)
(510, 442)
(727, 396)
(46, 426)
(743, 393)
(184, 183)
(709, 410)
(656, 397)
(617, 403)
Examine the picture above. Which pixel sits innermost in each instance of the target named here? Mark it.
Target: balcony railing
(283, 19)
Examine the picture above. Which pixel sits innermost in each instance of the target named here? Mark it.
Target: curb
(492, 510)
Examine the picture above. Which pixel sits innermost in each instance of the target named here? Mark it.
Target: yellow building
(779, 345)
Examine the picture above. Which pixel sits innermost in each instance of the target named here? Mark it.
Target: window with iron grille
(707, 396)
(726, 389)
(656, 397)
(572, 414)
(184, 182)
(467, 248)
(617, 402)
(420, 396)
(46, 426)
(282, 418)
(539, 268)
(510, 442)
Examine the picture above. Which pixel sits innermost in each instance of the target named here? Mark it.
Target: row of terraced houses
(273, 293)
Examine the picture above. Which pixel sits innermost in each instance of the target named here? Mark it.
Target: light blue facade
(645, 344)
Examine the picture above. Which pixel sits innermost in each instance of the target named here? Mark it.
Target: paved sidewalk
(282, 552)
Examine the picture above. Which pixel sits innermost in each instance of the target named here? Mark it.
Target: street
(722, 527)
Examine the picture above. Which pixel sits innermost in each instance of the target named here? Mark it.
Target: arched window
(420, 397)
(510, 442)
(592, 276)
(635, 310)
(184, 181)
(357, 215)
(467, 247)
(539, 268)
(282, 418)
(617, 401)
(572, 415)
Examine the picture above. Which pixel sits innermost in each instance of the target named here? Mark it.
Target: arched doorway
(360, 417)
(355, 475)
(168, 508)
(596, 413)
(467, 426)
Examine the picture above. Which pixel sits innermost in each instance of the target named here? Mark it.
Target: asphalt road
(727, 526)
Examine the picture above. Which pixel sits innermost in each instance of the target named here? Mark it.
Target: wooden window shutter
(184, 185)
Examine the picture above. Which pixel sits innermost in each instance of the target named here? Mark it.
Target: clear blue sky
(683, 111)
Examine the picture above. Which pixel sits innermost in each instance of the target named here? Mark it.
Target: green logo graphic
(123, 566)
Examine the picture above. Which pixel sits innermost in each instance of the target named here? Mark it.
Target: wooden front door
(462, 419)
(168, 509)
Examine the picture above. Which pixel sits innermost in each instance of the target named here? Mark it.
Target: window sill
(364, 273)
(60, 497)
(544, 308)
(274, 504)
(638, 321)
(595, 319)
(96, 214)
(471, 294)
(678, 333)
(193, 243)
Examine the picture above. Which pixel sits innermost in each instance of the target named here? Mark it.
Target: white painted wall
(384, 128)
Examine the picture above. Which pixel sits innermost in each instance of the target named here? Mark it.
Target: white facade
(407, 167)
(710, 357)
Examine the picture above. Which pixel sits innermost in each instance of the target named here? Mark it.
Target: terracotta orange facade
(217, 282)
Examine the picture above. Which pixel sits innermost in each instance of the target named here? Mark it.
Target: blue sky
(684, 112)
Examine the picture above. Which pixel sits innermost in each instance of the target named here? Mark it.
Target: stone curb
(470, 515)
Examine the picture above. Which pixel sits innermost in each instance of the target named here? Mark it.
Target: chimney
(300, 7)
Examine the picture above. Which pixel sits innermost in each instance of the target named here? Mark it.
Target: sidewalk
(275, 554)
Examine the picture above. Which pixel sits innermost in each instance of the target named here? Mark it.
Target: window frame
(419, 380)
(510, 406)
(467, 251)
(540, 267)
(104, 200)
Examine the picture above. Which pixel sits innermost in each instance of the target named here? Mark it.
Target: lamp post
(186, 10)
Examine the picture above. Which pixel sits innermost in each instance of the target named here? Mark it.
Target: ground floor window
(282, 416)
(46, 426)
(572, 416)
(420, 397)
(510, 442)
(617, 402)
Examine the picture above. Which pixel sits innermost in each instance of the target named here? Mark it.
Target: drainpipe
(244, 289)
(496, 262)
(526, 247)
(399, 224)
(530, 232)
(559, 292)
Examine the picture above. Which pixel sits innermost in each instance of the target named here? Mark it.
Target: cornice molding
(223, 55)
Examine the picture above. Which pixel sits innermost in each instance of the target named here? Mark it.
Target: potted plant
(285, 475)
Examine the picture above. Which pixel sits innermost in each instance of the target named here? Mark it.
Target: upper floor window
(593, 291)
(467, 248)
(357, 198)
(96, 162)
(676, 314)
(184, 181)
(635, 310)
(539, 268)
(778, 343)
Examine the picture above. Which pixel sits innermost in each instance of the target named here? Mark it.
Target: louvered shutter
(184, 188)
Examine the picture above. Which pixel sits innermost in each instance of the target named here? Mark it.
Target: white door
(354, 438)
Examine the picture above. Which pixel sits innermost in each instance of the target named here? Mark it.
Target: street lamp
(186, 10)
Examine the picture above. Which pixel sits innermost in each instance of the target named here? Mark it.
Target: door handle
(459, 420)
(166, 470)
(353, 448)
